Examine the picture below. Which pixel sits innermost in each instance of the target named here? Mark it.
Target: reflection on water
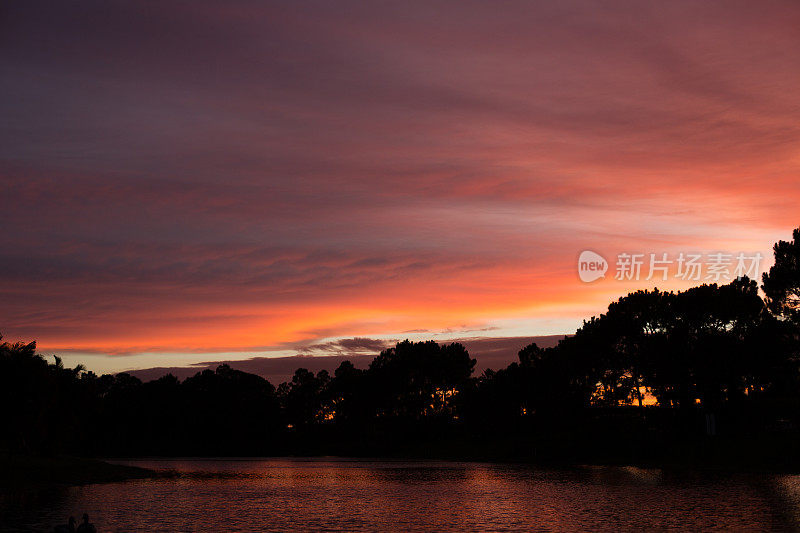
(356, 495)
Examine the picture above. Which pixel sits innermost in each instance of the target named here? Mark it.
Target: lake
(369, 495)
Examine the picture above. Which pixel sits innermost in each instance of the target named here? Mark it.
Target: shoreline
(540, 463)
(21, 470)
(26, 469)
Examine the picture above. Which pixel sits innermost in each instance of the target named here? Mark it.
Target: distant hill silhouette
(490, 352)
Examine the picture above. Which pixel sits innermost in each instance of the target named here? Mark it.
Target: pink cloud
(205, 177)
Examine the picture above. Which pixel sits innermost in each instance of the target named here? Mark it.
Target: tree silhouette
(416, 379)
(711, 350)
(782, 283)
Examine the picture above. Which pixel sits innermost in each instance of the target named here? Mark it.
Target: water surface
(364, 495)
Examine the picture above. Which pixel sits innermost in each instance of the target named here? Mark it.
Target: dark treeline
(701, 373)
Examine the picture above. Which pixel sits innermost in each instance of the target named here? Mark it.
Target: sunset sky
(195, 181)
